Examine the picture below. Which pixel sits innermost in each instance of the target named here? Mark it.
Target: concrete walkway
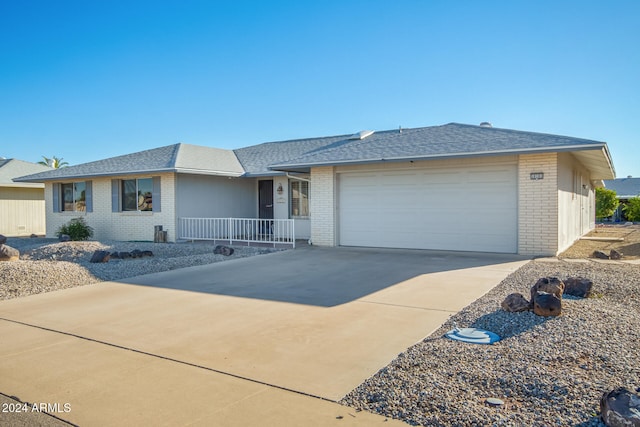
(269, 340)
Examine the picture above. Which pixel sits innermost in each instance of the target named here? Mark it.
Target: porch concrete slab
(316, 321)
(89, 383)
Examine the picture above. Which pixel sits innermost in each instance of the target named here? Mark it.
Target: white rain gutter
(296, 177)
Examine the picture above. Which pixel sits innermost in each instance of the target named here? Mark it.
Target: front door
(265, 199)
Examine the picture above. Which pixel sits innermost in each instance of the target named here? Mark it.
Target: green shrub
(77, 229)
(632, 209)
(606, 202)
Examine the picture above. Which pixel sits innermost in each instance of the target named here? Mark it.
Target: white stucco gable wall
(576, 201)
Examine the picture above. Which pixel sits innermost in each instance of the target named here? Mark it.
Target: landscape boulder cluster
(546, 295)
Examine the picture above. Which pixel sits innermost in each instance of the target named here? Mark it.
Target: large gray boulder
(7, 253)
(613, 254)
(578, 287)
(619, 408)
(100, 256)
(600, 255)
(515, 302)
(546, 304)
(223, 250)
(551, 285)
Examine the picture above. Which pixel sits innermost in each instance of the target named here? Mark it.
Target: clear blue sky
(86, 80)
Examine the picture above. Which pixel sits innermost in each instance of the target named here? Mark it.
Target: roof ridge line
(176, 154)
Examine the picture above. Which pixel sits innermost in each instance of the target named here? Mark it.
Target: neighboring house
(22, 209)
(449, 187)
(625, 188)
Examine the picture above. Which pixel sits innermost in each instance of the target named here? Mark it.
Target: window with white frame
(72, 197)
(135, 195)
(299, 198)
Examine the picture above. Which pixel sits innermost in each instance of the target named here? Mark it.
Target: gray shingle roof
(257, 158)
(14, 168)
(625, 188)
(450, 140)
(171, 158)
(271, 158)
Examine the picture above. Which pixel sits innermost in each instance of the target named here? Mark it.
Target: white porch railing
(249, 230)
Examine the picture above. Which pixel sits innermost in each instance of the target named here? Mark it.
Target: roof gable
(170, 158)
(14, 168)
(257, 159)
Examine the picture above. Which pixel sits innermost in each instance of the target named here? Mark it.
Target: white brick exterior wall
(124, 226)
(540, 213)
(323, 206)
(538, 205)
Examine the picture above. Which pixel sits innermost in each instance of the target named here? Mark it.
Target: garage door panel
(471, 209)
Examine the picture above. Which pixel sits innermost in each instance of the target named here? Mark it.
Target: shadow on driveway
(317, 276)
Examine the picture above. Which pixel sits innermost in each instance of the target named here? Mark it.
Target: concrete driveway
(269, 340)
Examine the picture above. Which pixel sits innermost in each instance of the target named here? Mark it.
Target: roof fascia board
(22, 185)
(140, 172)
(95, 175)
(208, 172)
(263, 174)
(607, 154)
(447, 156)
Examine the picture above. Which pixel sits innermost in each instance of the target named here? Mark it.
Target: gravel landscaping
(549, 371)
(47, 265)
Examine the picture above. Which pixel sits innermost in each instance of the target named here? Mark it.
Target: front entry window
(299, 199)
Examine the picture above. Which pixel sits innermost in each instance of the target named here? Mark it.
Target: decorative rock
(124, 255)
(494, 401)
(515, 302)
(223, 250)
(136, 253)
(115, 255)
(578, 287)
(613, 254)
(551, 285)
(100, 256)
(64, 238)
(600, 254)
(3, 239)
(546, 304)
(33, 236)
(619, 408)
(147, 253)
(7, 253)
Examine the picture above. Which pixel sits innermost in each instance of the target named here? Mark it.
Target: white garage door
(465, 209)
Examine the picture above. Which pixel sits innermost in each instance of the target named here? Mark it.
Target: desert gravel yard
(548, 371)
(47, 265)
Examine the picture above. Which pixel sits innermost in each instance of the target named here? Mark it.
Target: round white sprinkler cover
(473, 335)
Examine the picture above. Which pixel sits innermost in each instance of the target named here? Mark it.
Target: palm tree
(53, 162)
